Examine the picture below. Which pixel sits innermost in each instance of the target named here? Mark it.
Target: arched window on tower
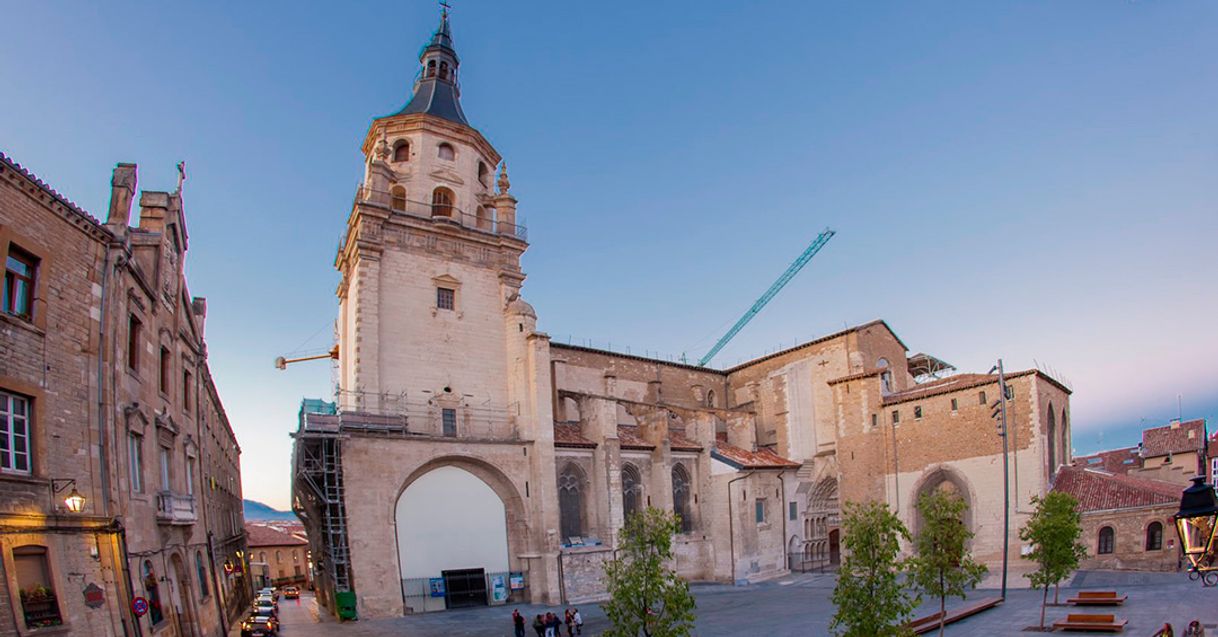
(1052, 439)
(444, 70)
(681, 496)
(446, 151)
(484, 174)
(571, 502)
(632, 491)
(397, 198)
(484, 218)
(442, 202)
(401, 151)
(431, 68)
(885, 376)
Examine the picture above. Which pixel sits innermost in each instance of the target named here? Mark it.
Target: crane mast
(786, 277)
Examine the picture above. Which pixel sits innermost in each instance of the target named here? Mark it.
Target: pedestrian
(518, 623)
(579, 623)
(539, 626)
(550, 621)
(569, 621)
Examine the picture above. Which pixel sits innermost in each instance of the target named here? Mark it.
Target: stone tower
(431, 261)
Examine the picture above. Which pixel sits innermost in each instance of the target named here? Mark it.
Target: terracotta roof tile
(570, 436)
(1114, 461)
(678, 442)
(1173, 438)
(268, 535)
(67, 203)
(1102, 491)
(742, 459)
(629, 438)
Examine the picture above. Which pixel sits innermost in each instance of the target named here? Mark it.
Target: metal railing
(396, 415)
(175, 508)
(484, 218)
(807, 562)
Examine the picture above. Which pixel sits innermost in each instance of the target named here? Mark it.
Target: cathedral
(467, 460)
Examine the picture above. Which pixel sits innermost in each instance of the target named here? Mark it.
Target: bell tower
(430, 314)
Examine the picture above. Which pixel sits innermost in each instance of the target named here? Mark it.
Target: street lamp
(1197, 525)
(75, 502)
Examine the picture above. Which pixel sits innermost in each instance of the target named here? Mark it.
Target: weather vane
(444, 7)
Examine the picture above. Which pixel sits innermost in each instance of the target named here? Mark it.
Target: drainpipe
(731, 525)
(104, 464)
(783, 510)
(122, 540)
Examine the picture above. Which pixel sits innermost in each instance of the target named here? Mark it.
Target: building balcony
(175, 508)
(483, 218)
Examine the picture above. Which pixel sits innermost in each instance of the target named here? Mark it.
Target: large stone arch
(945, 478)
(515, 526)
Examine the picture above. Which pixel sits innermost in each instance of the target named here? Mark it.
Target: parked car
(291, 592)
(259, 625)
(266, 607)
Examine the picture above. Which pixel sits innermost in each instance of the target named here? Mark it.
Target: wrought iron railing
(483, 218)
(397, 415)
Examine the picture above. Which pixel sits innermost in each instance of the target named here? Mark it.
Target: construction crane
(786, 277)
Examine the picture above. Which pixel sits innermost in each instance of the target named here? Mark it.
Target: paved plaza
(799, 606)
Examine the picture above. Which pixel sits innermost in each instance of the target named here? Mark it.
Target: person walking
(539, 626)
(579, 622)
(569, 621)
(551, 622)
(517, 623)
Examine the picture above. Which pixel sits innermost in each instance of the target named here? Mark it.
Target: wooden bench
(930, 622)
(1097, 623)
(1097, 598)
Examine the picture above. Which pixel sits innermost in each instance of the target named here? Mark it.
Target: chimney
(154, 208)
(122, 190)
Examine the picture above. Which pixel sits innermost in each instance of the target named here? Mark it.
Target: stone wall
(1129, 540)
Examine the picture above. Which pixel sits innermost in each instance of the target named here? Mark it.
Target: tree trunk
(1056, 586)
(942, 612)
(1043, 600)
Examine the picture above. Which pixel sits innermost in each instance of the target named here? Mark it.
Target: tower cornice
(392, 125)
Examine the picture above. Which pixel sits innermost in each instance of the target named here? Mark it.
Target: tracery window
(1052, 439)
(681, 496)
(571, 502)
(632, 491)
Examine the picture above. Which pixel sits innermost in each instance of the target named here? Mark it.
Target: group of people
(549, 624)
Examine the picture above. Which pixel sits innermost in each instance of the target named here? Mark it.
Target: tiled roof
(629, 438)
(1101, 491)
(827, 337)
(1173, 438)
(742, 459)
(961, 382)
(268, 535)
(678, 442)
(570, 436)
(8, 161)
(1114, 461)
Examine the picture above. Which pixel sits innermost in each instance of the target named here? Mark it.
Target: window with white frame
(14, 433)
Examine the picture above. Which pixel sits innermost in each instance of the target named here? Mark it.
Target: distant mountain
(259, 512)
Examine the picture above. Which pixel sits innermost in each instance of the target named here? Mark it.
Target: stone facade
(441, 366)
(90, 407)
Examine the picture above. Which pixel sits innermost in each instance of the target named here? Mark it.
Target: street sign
(139, 606)
(95, 597)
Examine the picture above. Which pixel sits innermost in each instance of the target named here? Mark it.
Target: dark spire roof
(436, 91)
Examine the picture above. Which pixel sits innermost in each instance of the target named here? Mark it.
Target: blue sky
(1031, 180)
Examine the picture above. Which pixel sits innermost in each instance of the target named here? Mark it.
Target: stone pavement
(800, 606)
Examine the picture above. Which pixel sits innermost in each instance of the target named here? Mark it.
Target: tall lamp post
(1197, 525)
(1000, 412)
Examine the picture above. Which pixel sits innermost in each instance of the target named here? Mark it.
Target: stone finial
(382, 148)
(504, 184)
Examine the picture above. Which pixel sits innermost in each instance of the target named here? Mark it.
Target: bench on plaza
(927, 623)
(1097, 598)
(1088, 622)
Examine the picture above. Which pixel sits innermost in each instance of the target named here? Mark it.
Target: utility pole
(1000, 412)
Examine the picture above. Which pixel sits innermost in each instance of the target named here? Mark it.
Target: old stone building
(467, 459)
(105, 392)
(279, 554)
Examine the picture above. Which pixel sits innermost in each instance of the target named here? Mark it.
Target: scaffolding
(317, 484)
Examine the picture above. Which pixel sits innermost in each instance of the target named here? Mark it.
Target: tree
(941, 566)
(1053, 533)
(870, 597)
(646, 598)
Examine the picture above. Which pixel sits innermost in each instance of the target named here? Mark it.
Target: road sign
(139, 606)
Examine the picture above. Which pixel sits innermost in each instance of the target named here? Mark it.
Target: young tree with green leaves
(871, 599)
(941, 566)
(646, 598)
(1053, 533)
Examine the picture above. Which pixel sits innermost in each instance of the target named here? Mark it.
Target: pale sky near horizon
(1031, 180)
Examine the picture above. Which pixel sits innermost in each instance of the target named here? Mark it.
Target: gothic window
(1154, 536)
(1052, 439)
(431, 68)
(681, 496)
(1065, 448)
(442, 202)
(571, 502)
(401, 151)
(446, 151)
(632, 491)
(397, 198)
(1107, 541)
(710, 398)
